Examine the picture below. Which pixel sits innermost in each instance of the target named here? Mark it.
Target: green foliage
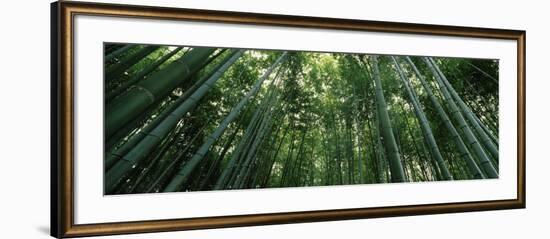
(315, 120)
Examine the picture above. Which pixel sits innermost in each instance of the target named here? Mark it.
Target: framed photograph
(172, 119)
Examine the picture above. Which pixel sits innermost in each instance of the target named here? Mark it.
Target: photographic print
(276, 119)
(185, 118)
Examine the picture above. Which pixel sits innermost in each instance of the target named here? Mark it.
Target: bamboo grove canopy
(194, 119)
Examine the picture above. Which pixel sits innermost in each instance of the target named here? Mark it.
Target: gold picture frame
(62, 128)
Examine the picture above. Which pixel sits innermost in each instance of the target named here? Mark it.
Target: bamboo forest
(181, 119)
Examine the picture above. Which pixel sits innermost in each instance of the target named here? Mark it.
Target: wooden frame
(62, 117)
